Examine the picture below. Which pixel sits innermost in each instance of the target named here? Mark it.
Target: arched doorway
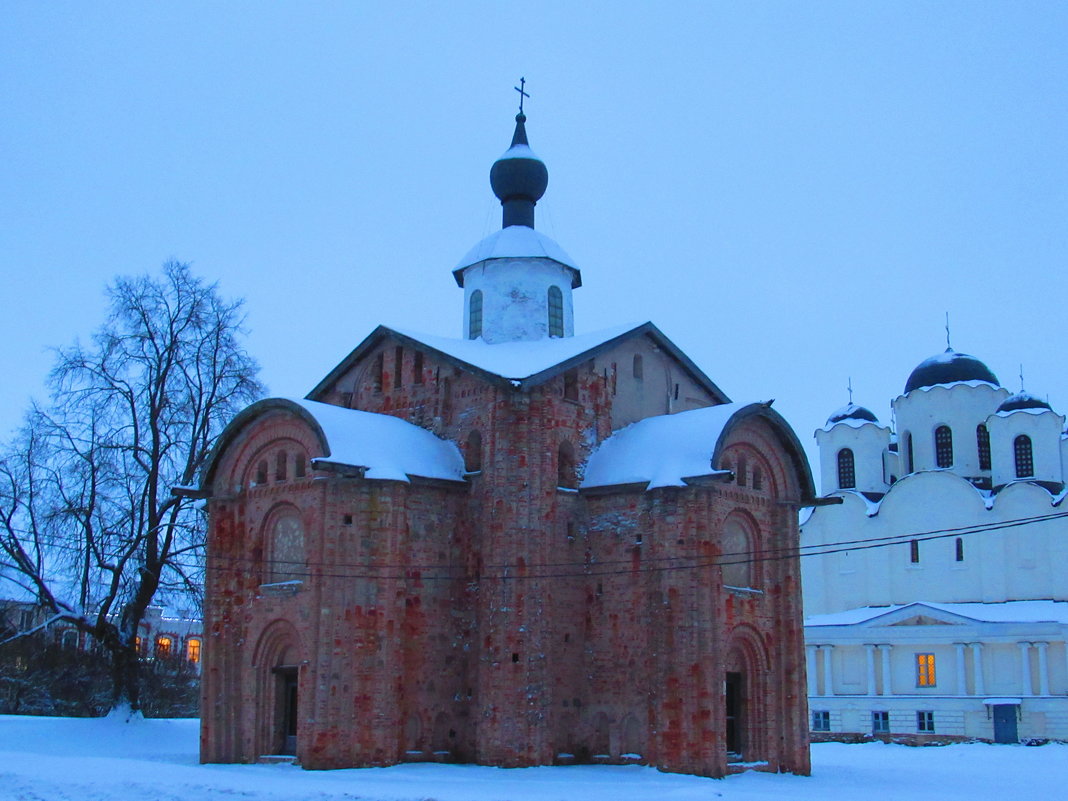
(277, 660)
(745, 699)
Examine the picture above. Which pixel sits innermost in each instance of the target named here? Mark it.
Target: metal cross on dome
(522, 93)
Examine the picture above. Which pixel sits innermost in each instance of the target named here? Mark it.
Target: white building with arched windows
(936, 598)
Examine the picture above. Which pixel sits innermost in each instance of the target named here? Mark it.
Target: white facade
(514, 298)
(962, 505)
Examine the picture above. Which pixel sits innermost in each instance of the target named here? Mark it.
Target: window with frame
(925, 670)
(821, 720)
(959, 552)
(982, 441)
(847, 474)
(943, 446)
(914, 552)
(925, 722)
(286, 550)
(1025, 460)
(163, 647)
(880, 722)
(474, 315)
(556, 312)
(192, 650)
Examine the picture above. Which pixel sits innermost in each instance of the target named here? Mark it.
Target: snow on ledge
(661, 451)
(516, 242)
(387, 447)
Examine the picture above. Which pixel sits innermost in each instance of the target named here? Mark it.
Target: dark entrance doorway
(287, 710)
(1005, 723)
(734, 688)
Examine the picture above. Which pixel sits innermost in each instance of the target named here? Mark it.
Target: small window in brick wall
(398, 366)
(301, 466)
(417, 368)
(565, 466)
(473, 452)
(280, 466)
(261, 473)
(377, 372)
(571, 385)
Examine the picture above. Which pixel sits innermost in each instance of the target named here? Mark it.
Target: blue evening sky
(796, 193)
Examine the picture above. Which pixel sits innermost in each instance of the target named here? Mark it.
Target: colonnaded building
(522, 547)
(939, 605)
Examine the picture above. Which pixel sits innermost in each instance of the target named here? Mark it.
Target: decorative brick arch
(277, 662)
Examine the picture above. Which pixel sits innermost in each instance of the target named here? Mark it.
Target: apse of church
(523, 547)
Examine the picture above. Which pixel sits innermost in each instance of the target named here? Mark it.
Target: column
(871, 668)
(811, 652)
(1043, 668)
(1025, 668)
(977, 660)
(962, 678)
(888, 684)
(828, 676)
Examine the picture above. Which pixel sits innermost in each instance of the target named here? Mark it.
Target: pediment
(925, 620)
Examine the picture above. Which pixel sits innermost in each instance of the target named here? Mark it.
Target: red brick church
(523, 547)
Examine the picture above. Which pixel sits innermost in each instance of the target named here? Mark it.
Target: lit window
(925, 722)
(138, 645)
(192, 650)
(163, 647)
(943, 446)
(474, 315)
(880, 722)
(1025, 461)
(556, 312)
(982, 438)
(821, 720)
(847, 476)
(925, 670)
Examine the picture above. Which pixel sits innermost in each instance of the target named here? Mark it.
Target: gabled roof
(671, 450)
(379, 445)
(948, 613)
(521, 365)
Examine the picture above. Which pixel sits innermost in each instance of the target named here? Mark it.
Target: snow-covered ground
(66, 759)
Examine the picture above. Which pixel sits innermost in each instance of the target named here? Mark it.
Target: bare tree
(88, 522)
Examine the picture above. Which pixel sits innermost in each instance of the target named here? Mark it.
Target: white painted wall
(515, 291)
(867, 440)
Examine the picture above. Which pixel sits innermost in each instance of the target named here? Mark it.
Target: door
(734, 690)
(1005, 723)
(287, 685)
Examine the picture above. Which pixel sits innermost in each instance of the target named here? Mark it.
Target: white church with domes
(935, 594)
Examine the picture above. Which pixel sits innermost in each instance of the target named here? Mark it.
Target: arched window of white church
(943, 446)
(473, 452)
(285, 549)
(1025, 461)
(736, 555)
(847, 474)
(982, 441)
(474, 315)
(556, 312)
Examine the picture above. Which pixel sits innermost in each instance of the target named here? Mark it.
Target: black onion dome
(1022, 400)
(949, 368)
(852, 412)
(519, 178)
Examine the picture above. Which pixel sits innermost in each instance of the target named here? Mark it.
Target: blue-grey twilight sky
(796, 193)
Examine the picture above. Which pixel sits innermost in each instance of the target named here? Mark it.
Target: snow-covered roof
(662, 451)
(515, 241)
(1006, 612)
(388, 447)
(519, 360)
